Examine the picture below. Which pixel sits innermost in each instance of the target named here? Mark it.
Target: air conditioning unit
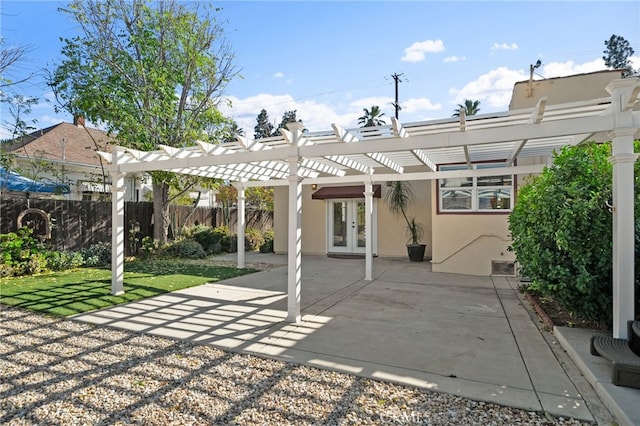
(503, 267)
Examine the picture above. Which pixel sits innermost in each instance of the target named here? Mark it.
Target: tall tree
(617, 53)
(371, 118)
(263, 128)
(469, 107)
(10, 56)
(287, 117)
(153, 72)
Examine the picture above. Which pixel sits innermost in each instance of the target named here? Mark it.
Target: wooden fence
(74, 225)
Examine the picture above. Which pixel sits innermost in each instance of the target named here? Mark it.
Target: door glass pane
(339, 224)
(360, 216)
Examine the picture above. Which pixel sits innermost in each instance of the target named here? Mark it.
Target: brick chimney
(78, 120)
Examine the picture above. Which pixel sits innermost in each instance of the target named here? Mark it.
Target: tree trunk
(160, 211)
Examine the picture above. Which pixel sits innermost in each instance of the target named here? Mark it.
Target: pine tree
(264, 128)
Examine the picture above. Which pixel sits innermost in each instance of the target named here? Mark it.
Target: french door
(347, 226)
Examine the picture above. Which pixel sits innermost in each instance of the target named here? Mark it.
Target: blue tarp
(12, 181)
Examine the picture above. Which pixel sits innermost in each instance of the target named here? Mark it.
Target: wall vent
(503, 267)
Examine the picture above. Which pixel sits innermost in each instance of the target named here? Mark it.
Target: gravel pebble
(62, 372)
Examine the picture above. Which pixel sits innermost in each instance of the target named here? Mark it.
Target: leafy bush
(149, 246)
(562, 231)
(98, 254)
(185, 248)
(21, 253)
(63, 260)
(253, 239)
(213, 240)
(216, 248)
(267, 244)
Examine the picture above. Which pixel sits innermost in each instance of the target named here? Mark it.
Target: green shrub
(562, 231)
(97, 255)
(213, 240)
(149, 246)
(253, 239)
(21, 253)
(267, 245)
(216, 248)
(188, 249)
(63, 260)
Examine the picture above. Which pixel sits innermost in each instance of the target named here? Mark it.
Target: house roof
(558, 90)
(64, 142)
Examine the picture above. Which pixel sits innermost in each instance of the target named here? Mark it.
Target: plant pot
(416, 253)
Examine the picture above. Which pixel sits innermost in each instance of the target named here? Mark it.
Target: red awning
(356, 191)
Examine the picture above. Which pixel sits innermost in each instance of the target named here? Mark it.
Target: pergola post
(117, 227)
(294, 252)
(368, 230)
(623, 159)
(241, 225)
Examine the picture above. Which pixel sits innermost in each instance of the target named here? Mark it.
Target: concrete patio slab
(464, 335)
(623, 402)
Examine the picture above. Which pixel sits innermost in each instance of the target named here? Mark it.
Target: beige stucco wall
(467, 243)
(314, 222)
(391, 235)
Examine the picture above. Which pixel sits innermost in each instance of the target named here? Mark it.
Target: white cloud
(415, 105)
(278, 75)
(416, 52)
(315, 116)
(492, 89)
(504, 46)
(454, 59)
(561, 69)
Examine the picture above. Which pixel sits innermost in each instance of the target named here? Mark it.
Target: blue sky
(330, 59)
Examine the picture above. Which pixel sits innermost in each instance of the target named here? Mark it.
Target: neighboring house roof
(63, 142)
(560, 90)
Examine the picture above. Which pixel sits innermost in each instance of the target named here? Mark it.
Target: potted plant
(399, 196)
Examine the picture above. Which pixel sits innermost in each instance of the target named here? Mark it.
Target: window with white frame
(475, 194)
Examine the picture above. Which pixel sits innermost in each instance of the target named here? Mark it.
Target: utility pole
(396, 78)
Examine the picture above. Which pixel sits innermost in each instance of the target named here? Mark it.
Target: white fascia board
(449, 139)
(212, 160)
(359, 179)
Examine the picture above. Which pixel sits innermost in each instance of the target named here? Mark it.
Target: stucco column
(368, 227)
(294, 262)
(241, 225)
(623, 160)
(117, 227)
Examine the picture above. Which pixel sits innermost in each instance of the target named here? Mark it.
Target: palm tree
(469, 107)
(371, 118)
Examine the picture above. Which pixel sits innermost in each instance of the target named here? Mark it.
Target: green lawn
(86, 289)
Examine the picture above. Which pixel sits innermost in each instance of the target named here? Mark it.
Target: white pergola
(409, 151)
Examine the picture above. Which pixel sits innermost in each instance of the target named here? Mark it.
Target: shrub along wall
(79, 224)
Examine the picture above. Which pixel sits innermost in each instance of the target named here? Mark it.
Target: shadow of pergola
(61, 371)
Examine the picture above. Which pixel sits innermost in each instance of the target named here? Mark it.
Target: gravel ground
(62, 372)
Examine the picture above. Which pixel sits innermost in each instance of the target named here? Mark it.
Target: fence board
(79, 224)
